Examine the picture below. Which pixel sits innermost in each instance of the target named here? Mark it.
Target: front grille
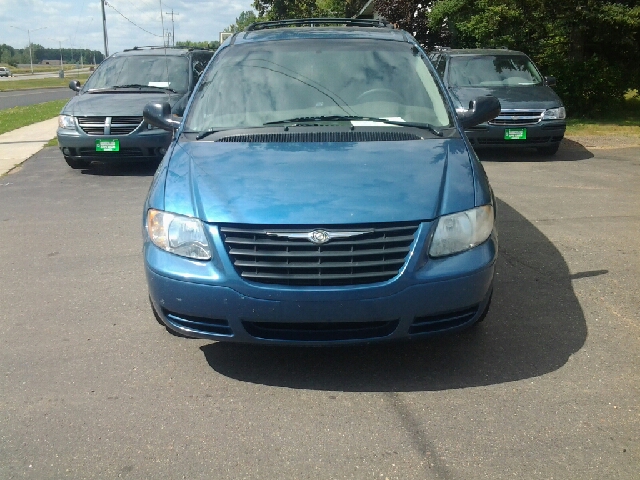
(124, 125)
(316, 137)
(442, 322)
(518, 117)
(92, 125)
(109, 125)
(374, 256)
(320, 331)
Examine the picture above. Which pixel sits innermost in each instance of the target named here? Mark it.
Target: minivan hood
(318, 183)
(114, 104)
(530, 97)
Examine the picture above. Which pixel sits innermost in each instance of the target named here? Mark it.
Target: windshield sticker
(159, 84)
(370, 123)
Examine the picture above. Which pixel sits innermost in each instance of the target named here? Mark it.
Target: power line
(132, 22)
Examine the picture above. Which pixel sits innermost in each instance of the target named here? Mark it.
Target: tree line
(14, 56)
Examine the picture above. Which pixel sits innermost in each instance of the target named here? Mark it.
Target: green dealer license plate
(108, 145)
(515, 133)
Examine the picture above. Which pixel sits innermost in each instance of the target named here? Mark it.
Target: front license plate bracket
(515, 133)
(108, 145)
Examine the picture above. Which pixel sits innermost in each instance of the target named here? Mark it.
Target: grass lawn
(622, 123)
(16, 117)
(40, 82)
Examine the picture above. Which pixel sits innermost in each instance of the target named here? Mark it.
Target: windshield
(493, 71)
(253, 84)
(148, 70)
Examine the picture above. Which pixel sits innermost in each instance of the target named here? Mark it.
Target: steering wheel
(380, 92)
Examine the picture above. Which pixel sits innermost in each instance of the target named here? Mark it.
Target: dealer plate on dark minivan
(515, 133)
(108, 145)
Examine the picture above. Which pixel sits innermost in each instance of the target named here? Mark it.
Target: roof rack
(161, 47)
(312, 22)
(151, 47)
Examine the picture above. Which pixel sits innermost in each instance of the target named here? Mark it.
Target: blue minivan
(320, 190)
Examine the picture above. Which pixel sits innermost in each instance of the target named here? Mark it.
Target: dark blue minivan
(320, 190)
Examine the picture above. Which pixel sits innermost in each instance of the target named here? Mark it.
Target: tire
(550, 150)
(157, 317)
(485, 311)
(77, 164)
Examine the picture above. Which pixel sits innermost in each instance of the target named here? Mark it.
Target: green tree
(245, 19)
(283, 9)
(412, 16)
(213, 45)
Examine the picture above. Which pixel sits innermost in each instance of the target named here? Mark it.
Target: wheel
(77, 164)
(486, 310)
(157, 317)
(551, 150)
(380, 92)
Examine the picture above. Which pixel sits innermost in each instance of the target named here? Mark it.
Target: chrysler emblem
(319, 237)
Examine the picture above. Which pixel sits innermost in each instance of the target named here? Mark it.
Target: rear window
(493, 71)
(252, 84)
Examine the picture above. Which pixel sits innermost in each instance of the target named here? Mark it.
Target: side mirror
(482, 109)
(550, 81)
(159, 115)
(74, 85)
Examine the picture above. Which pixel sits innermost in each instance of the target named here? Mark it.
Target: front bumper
(140, 145)
(209, 300)
(546, 133)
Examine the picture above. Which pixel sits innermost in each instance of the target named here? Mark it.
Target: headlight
(461, 231)
(66, 121)
(178, 234)
(555, 114)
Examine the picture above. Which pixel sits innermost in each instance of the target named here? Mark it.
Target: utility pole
(29, 37)
(173, 28)
(104, 31)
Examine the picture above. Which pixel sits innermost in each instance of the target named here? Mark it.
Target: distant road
(28, 76)
(22, 98)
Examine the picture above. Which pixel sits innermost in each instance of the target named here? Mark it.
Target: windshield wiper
(132, 85)
(210, 131)
(137, 85)
(348, 118)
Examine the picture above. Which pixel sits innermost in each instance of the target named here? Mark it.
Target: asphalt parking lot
(547, 387)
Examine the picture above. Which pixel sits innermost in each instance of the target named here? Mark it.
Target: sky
(78, 23)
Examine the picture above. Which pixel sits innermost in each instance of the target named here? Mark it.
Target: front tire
(485, 311)
(548, 151)
(77, 164)
(157, 317)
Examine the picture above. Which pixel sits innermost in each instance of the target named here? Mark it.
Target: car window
(200, 61)
(492, 70)
(252, 84)
(440, 67)
(152, 70)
